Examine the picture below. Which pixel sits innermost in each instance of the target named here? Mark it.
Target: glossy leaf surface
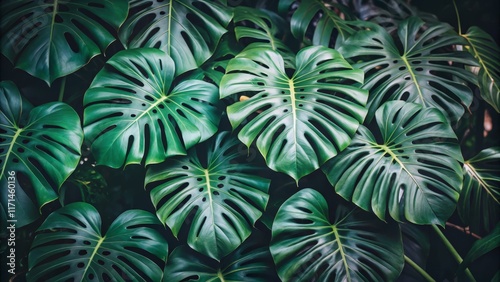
(486, 51)
(40, 143)
(412, 171)
(51, 39)
(420, 71)
(187, 30)
(297, 122)
(252, 261)
(70, 245)
(311, 242)
(133, 114)
(479, 203)
(211, 190)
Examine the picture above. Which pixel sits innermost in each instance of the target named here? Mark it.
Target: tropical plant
(212, 140)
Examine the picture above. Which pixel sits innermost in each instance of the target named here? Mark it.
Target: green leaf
(51, 39)
(263, 28)
(211, 187)
(419, 72)
(413, 170)
(416, 246)
(187, 30)
(322, 18)
(298, 123)
(480, 248)
(70, 245)
(133, 114)
(252, 261)
(40, 144)
(310, 243)
(479, 203)
(390, 13)
(486, 51)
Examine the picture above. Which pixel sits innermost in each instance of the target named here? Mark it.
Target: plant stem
(419, 269)
(458, 18)
(61, 89)
(453, 251)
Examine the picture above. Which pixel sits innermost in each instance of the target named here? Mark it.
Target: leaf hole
(71, 42)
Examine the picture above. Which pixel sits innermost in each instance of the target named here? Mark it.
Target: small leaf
(480, 248)
(298, 123)
(413, 172)
(41, 144)
(133, 114)
(310, 243)
(69, 245)
(223, 195)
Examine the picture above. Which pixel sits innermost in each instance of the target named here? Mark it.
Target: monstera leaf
(323, 18)
(479, 203)
(421, 72)
(223, 195)
(133, 114)
(252, 261)
(69, 245)
(311, 243)
(41, 144)
(187, 30)
(481, 247)
(263, 28)
(299, 122)
(51, 39)
(413, 170)
(486, 51)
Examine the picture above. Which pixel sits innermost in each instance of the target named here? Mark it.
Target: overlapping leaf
(297, 122)
(69, 245)
(214, 192)
(252, 261)
(133, 113)
(486, 51)
(264, 29)
(311, 243)
(479, 203)
(51, 39)
(423, 71)
(413, 171)
(326, 19)
(41, 144)
(187, 30)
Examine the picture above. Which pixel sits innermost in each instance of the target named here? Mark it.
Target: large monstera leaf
(413, 171)
(310, 242)
(51, 39)
(479, 203)
(298, 122)
(486, 51)
(187, 30)
(70, 246)
(252, 261)
(220, 194)
(323, 18)
(41, 144)
(419, 72)
(133, 114)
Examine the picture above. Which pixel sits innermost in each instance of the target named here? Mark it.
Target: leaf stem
(453, 251)
(419, 269)
(458, 18)
(61, 90)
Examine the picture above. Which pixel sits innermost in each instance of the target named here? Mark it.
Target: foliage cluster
(212, 140)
